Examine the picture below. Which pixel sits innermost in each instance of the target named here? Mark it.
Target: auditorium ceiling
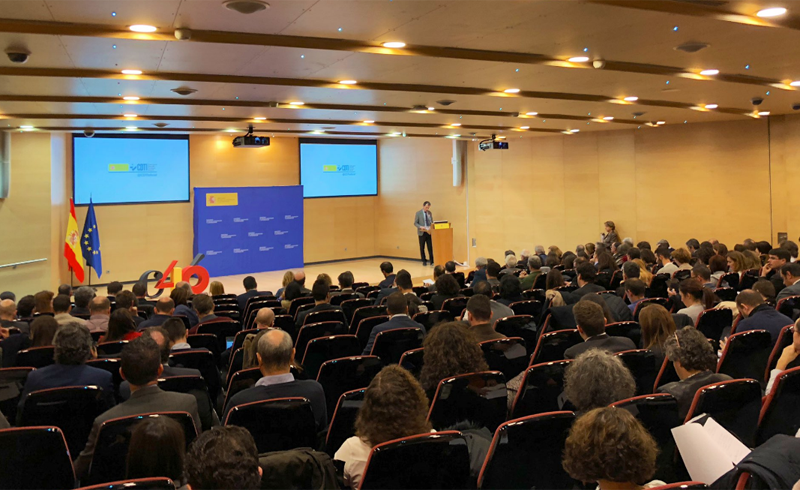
(467, 69)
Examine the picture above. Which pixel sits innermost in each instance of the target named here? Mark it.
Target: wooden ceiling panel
(212, 15)
(99, 53)
(160, 13)
(46, 51)
(25, 9)
(291, 62)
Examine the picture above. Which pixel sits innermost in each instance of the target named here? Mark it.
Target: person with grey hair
(694, 361)
(596, 379)
(534, 270)
(83, 295)
(522, 263)
(480, 270)
(73, 347)
(275, 356)
(511, 265)
(539, 251)
(628, 240)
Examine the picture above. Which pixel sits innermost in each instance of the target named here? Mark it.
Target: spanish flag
(72, 246)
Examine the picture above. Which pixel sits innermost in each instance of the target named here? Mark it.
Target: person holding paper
(789, 357)
(694, 361)
(423, 221)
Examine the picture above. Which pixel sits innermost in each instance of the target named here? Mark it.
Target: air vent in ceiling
(691, 46)
(246, 6)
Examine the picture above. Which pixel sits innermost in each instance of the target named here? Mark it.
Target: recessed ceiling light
(394, 44)
(771, 12)
(524, 127)
(763, 113)
(661, 123)
(709, 73)
(631, 99)
(431, 108)
(369, 121)
(142, 28)
(131, 72)
(796, 83)
(608, 118)
(574, 130)
(297, 102)
(26, 127)
(130, 115)
(131, 128)
(456, 124)
(348, 82)
(393, 134)
(531, 113)
(711, 106)
(130, 97)
(511, 90)
(579, 59)
(260, 118)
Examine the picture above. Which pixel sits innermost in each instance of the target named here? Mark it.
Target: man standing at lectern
(424, 222)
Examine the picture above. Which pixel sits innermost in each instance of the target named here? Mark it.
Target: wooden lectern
(442, 238)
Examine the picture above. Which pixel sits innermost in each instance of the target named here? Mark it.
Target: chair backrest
(311, 331)
(748, 278)
(431, 318)
(455, 305)
(365, 327)
(413, 360)
(746, 355)
(603, 279)
(207, 341)
(204, 362)
(71, 408)
(349, 306)
(658, 286)
(222, 329)
(112, 365)
(779, 414)
(734, 404)
(666, 374)
(682, 274)
(391, 344)
(520, 443)
(522, 326)
(343, 420)
(532, 307)
(632, 330)
(477, 397)
(241, 380)
(36, 357)
(297, 303)
(236, 363)
(732, 278)
(540, 281)
(325, 316)
(326, 348)
(507, 355)
(339, 376)
(365, 312)
(726, 294)
(238, 340)
(552, 345)
(649, 301)
(111, 349)
(338, 298)
(285, 323)
(712, 322)
(535, 293)
(154, 483)
(12, 382)
(642, 364)
(114, 437)
(540, 389)
(35, 458)
(467, 292)
(436, 460)
(785, 339)
(278, 424)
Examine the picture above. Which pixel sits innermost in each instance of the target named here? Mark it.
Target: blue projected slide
(116, 169)
(336, 168)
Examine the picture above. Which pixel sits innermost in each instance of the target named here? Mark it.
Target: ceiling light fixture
(130, 97)
(456, 124)
(524, 127)
(369, 121)
(608, 118)
(131, 128)
(260, 118)
(131, 72)
(511, 91)
(763, 113)
(661, 123)
(246, 6)
(142, 28)
(574, 130)
(531, 113)
(631, 99)
(796, 83)
(394, 44)
(26, 127)
(709, 73)
(348, 82)
(431, 108)
(771, 12)
(130, 115)
(297, 102)
(711, 106)
(579, 59)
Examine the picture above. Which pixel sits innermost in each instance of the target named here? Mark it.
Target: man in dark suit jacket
(322, 302)
(397, 308)
(791, 278)
(386, 269)
(586, 277)
(759, 315)
(480, 315)
(73, 347)
(778, 257)
(275, 355)
(8, 316)
(592, 327)
(163, 312)
(250, 290)
(83, 295)
(141, 366)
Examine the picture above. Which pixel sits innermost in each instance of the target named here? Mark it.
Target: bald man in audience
(300, 278)
(164, 309)
(100, 309)
(8, 316)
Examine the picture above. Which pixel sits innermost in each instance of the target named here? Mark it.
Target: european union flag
(90, 242)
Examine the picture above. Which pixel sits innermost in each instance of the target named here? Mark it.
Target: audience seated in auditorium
(293, 291)
(300, 278)
(178, 335)
(703, 275)
(718, 265)
(265, 320)
(25, 307)
(322, 302)
(657, 326)
(161, 337)
(538, 250)
(126, 300)
(635, 291)
(554, 280)
(791, 279)
(61, 307)
(522, 263)
(759, 315)
(406, 286)
(499, 310)
(83, 295)
(480, 270)
(736, 262)
(11, 344)
(181, 298)
(664, 258)
(288, 278)
(216, 288)
(586, 277)
(450, 349)
(387, 271)
(479, 318)
(614, 309)
(777, 258)
(140, 291)
(752, 261)
(788, 358)
(511, 266)
(204, 307)
(113, 288)
(43, 329)
(438, 271)
(43, 303)
(141, 366)
(397, 309)
(120, 327)
(694, 361)
(157, 449)
(682, 258)
(535, 270)
(162, 312)
(609, 446)
(596, 379)
(65, 289)
(275, 357)
(395, 406)
(510, 290)
(250, 290)
(100, 309)
(766, 290)
(325, 278)
(605, 263)
(346, 281)
(450, 267)
(695, 297)
(73, 347)
(224, 458)
(492, 273)
(791, 247)
(446, 288)
(8, 316)
(591, 326)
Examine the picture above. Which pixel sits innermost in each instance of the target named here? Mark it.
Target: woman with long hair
(216, 288)
(292, 291)
(736, 262)
(157, 449)
(43, 329)
(554, 280)
(395, 406)
(657, 326)
(288, 278)
(695, 297)
(449, 349)
(120, 327)
(605, 263)
(644, 271)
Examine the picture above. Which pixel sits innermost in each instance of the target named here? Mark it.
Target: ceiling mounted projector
(250, 141)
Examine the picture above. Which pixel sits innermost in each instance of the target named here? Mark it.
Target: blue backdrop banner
(242, 230)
